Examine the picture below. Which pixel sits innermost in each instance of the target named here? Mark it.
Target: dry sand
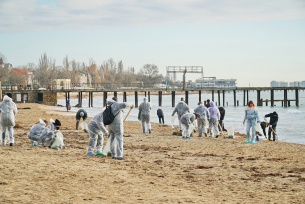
(159, 168)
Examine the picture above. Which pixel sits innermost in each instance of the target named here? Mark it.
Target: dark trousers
(273, 133)
(161, 118)
(221, 124)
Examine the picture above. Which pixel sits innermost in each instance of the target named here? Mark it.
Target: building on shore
(278, 84)
(213, 82)
(285, 84)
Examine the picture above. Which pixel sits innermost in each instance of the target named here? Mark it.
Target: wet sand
(159, 168)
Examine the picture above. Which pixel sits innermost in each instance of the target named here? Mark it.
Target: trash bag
(173, 120)
(106, 149)
(58, 142)
(84, 126)
(230, 131)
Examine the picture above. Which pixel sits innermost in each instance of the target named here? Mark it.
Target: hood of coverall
(110, 101)
(6, 98)
(212, 104)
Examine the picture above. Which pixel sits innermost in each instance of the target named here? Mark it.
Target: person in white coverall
(181, 108)
(202, 110)
(47, 136)
(96, 139)
(35, 131)
(214, 118)
(8, 111)
(144, 112)
(116, 128)
(187, 121)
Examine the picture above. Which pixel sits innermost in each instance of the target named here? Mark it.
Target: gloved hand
(132, 106)
(270, 126)
(244, 122)
(107, 133)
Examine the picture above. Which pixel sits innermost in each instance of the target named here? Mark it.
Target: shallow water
(289, 128)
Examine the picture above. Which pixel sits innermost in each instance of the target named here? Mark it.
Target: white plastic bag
(259, 129)
(230, 131)
(173, 120)
(58, 142)
(84, 126)
(106, 149)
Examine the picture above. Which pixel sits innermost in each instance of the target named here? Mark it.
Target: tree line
(107, 72)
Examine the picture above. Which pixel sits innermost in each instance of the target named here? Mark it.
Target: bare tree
(3, 69)
(44, 70)
(149, 74)
(66, 64)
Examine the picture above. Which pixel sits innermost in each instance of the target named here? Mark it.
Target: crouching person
(96, 129)
(34, 133)
(187, 122)
(52, 134)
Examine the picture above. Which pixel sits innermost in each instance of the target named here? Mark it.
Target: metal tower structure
(184, 70)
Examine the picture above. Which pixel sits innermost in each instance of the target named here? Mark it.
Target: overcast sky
(253, 41)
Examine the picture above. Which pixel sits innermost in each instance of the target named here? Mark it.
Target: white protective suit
(116, 128)
(144, 111)
(34, 133)
(214, 118)
(181, 108)
(96, 129)
(202, 110)
(8, 111)
(187, 121)
(47, 136)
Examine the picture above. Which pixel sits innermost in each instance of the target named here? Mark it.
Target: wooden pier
(221, 91)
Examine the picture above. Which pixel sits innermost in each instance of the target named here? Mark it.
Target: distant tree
(3, 69)
(149, 73)
(128, 76)
(66, 73)
(44, 70)
(2, 58)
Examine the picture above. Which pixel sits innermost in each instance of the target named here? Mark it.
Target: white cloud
(33, 15)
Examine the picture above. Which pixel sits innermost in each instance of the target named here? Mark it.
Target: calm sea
(289, 129)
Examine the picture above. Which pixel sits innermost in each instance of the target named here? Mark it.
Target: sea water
(289, 128)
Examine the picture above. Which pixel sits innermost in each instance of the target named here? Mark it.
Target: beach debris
(17, 126)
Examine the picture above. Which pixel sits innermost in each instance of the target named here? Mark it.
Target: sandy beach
(159, 168)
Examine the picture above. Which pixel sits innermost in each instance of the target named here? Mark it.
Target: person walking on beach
(202, 121)
(81, 113)
(8, 111)
(187, 121)
(68, 106)
(160, 115)
(222, 112)
(272, 124)
(116, 128)
(251, 115)
(96, 139)
(214, 118)
(144, 112)
(181, 108)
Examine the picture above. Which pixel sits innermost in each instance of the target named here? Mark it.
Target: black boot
(11, 144)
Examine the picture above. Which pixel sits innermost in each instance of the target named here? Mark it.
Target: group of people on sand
(48, 134)
(252, 118)
(205, 114)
